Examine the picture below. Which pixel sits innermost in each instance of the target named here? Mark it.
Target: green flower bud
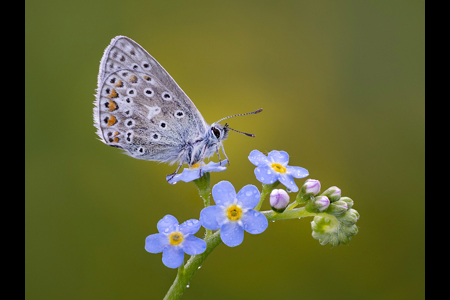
(333, 193)
(348, 201)
(322, 229)
(319, 204)
(310, 188)
(337, 208)
(350, 217)
(329, 230)
(351, 230)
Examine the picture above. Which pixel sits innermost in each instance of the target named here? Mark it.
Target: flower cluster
(337, 223)
(237, 212)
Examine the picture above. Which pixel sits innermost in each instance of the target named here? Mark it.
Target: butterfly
(139, 108)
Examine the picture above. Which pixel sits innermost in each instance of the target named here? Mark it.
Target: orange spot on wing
(133, 79)
(116, 140)
(119, 84)
(112, 105)
(112, 120)
(113, 94)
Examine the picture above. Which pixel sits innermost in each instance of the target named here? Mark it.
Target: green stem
(296, 213)
(203, 185)
(292, 205)
(193, 264)
(266, 189)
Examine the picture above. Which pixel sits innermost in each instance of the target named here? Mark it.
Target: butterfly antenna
(247, 134)
(250, 113)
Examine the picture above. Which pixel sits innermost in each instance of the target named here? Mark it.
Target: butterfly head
(219, 131)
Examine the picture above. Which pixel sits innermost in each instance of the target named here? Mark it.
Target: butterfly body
(139, 108)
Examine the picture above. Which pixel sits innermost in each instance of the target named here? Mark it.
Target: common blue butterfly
(139, 108)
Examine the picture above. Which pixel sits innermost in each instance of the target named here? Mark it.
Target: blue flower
(275, 167)
(197, 171)
(233, 213)
(174, 240)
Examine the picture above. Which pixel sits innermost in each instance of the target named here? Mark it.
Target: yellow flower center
(175, 238)
(234, 212)
(278, 168)
(196, 166)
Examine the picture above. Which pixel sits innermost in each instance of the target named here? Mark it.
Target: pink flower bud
(333, 193)
(322, 203)
(279, 199)
(312, 186)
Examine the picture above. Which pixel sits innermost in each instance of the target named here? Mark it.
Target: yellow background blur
(342, 85)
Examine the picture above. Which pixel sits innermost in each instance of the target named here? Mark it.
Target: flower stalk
(203, 185)
(186, 272)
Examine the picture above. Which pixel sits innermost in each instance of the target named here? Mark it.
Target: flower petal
(254, 222)
(223, 193)
(190, 227)
(297, 172)
(167, 224)
(211, 217)
(187, 175)
(280, 157)
(258, 158)
(193, 245)
(156, 243)
(173, 257)
(266, 174)
(232, 234)
(288, 181)
(215, 167)
(248, 196)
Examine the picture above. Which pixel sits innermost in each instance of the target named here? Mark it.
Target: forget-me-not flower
(233, 213)
(174, 240)
(197, 171)
(275, 167)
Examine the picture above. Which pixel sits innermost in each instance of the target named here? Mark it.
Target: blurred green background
(342, 85)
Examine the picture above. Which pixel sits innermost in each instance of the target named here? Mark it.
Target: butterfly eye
(216, 132)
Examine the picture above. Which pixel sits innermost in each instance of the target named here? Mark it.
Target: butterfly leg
(218, 155)
(202, 155)
(223, 150)
(174, 173)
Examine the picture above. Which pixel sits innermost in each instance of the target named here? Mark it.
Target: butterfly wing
(140, 108)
